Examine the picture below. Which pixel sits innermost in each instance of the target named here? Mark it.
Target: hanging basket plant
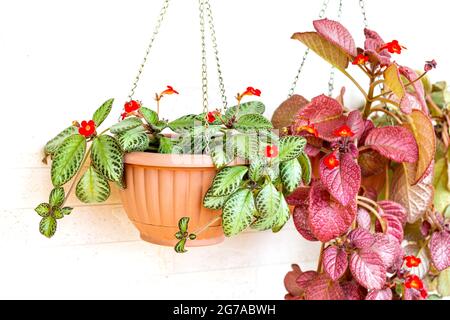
(370, 202)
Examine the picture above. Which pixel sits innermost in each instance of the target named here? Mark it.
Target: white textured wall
(60, 59)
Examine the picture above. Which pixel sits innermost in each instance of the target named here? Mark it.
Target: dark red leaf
(335, 262)
(300, 217)
(356, 123)
(361, 238)
(320, 109)
(353, 291)
(385, 294)
(323, 288)
(440, 250)
(337, 34)
(298, 197)
(305, 278)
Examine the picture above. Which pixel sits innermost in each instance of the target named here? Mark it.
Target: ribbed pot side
(161, 189)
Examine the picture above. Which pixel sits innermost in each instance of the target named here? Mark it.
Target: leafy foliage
(102, 113)
(92, 187)
(67, 159)
(107, 157)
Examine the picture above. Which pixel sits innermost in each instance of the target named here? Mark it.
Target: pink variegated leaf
(412, 76)
(388, 249)
(299, 197)
(337, 34)
(305, 279)
(395, 216)
(353, 291)
(290, 282)
(344, 181)
(335, 262)
(394, 226)
(408, 103)
(395, 143)
(300, 217)
(368, 127)
(327, 218)
(385, 294)
(395, 209)
(363, 219)
(412, 295)
(440, 250)
(326, 129)
(368, 269)
(320, 109)
(324, 288)
(361, 238)
(372, 45)
(356, 123)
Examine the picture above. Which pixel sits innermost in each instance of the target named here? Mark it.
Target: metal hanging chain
(149, 47)
(216, 54)
(204, 61)
(305, 55)
(332, 72)
(362, 5)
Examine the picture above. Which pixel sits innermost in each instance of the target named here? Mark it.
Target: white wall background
(60, 59)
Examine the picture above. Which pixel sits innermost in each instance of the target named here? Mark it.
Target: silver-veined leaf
(218, 154)
(125, 125)
(134, 140)
(102, 113)
(53, 145)
(43, 210)
(185, 123)
(183, 224)
(47, 226)
(267, 203)
(238, 212)
(180, 246)
(149, 115)
(291, 147)
(305, 163)
(251, 107)
(251, 122)
(212, 202)
(227, 180)
(107, 157)
(256, 169)
(291, 175)
(67, 159)
(92, 187)
(56, 198)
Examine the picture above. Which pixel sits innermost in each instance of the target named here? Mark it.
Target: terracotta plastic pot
(163, 188)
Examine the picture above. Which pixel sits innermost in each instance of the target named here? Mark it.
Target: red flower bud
(429, 65)
(87, 128)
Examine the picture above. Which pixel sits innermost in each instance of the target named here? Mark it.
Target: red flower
(423, 293)
(272, 151)
(124, 115)
(392, 47)
(211, 117)
(360, 59)
(132, 106)
(87, 128)
(344, 132)
(412, 261)
(169, 90)
(331, 161)
(310, 129)
(414, 282)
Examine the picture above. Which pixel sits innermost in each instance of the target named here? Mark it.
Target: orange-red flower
(423, 293)
(212, 116)
(132, 106)
(414, 282)
(309, 129)
(331, 161)
(393, 47)
(412, 261)
(272, 151)
(87, 128)
(360, 59)
(169, 90)
(344, 132)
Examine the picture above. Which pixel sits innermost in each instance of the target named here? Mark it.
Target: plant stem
(369, 98)
(433, 106)
(319, 264)
(400, 122)
(205, 227)
(385, 100)
(363, 202)
(355, 83)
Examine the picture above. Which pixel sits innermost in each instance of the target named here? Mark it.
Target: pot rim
(148, 159)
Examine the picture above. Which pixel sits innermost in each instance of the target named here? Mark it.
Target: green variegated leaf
(268, 200)
(180, 246)
(256, 169)
(291, 147)
(159, 125)
(283, 214)
(56, 198)
(291, 175)
(134, 140)
(102, 113)
(238, 212)
(185, 123)
(67, 159)
(107, 157)
(66, 211)
(149, 115)
(227, 180)
(183, 224)
(213, 203)
(92, 187)
(47, 226)
(125, 125)
(305, 163)
(53, 145)
(218, 154)
(43, 210)
(58, 214)
(165, 145)
(244, 146)
(251, 122)
(252, 107)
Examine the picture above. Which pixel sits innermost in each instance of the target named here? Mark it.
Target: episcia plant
(251, 194)
(237, 132)
(370, 202)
